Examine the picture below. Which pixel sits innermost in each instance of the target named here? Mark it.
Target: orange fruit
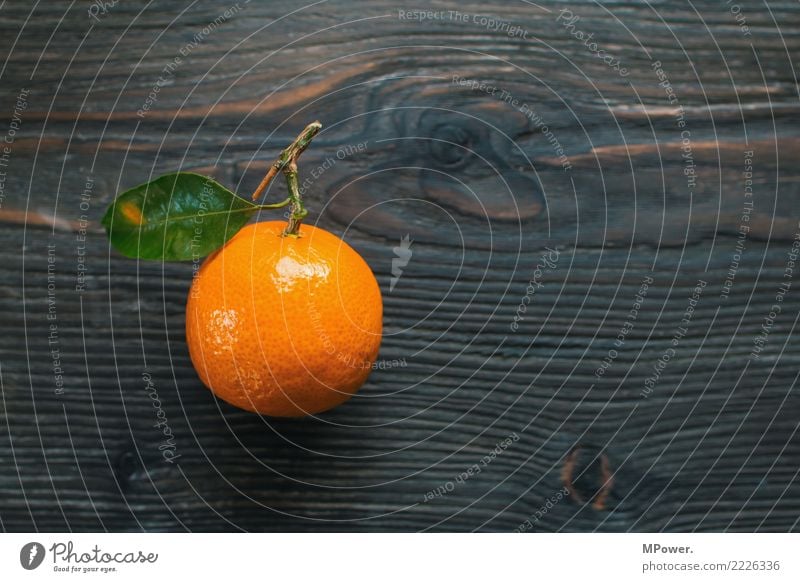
(282, 325)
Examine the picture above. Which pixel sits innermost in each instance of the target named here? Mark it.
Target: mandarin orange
(284, 325)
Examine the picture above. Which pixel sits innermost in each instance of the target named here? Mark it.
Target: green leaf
(177, 217)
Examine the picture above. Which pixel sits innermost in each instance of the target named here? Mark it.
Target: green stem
(297, 212)
(276, 205)
(287, 163)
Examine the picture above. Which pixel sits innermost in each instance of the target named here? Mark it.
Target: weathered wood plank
(418, 426)
(481, 190)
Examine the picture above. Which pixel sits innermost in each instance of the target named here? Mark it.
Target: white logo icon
(403, 254)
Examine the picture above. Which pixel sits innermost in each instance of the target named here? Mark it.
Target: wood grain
(479, 187)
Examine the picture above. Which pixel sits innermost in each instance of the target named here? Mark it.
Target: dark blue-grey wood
(480, 190)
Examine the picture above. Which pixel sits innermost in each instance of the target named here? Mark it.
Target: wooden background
(478, 186)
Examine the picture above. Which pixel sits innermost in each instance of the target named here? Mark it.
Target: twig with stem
(287, 163)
